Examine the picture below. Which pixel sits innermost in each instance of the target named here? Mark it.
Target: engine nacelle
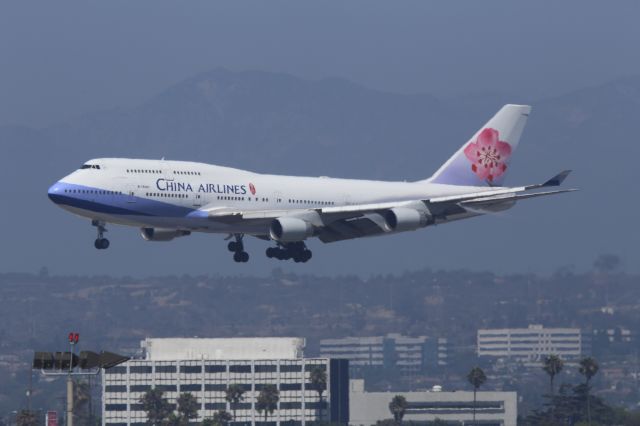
(290, 229)
(162, 234)
(401, 219)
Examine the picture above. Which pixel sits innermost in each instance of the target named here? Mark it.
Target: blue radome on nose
(54, 192)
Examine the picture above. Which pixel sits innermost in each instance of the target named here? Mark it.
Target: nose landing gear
(237, 248)
(297, 251)
(100, 243)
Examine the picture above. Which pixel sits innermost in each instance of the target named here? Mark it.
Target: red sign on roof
(52, 418)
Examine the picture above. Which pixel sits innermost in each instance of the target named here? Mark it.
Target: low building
(207, 367)
(529, 345)
(406, 353)
(491, 408)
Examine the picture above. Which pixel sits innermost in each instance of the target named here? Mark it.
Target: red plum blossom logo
(252, 188)
(488, 155)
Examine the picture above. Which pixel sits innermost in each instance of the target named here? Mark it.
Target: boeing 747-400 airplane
(170, 199)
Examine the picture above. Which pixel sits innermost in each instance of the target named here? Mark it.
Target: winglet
(557, 179)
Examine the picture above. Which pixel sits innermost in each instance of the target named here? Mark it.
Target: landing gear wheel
(241, 256)
(302, 257)
(101, 243)
(296, 251)
(237, 248)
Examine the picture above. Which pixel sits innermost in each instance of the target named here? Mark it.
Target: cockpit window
(90, 166)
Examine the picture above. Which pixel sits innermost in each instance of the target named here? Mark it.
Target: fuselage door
(276, 198)
(130, 192)
(196, 198)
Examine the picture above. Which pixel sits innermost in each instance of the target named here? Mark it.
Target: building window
(311, 367)
(115, 407)
(218, 388)
(139, 388)
(114, 388)
(290, 368)
(291, 405)
(240, 369)
(190, 388)
(215, 369)
(167, 388)
(165, 369)
(215, 406)
(265, 368)
(290, 386)
(116, 370)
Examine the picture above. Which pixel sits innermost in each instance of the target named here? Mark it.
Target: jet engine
(401, 219)
(290, 229)
(162, 234)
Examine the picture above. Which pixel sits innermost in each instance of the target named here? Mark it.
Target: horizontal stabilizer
(557, 179)
(512, 197)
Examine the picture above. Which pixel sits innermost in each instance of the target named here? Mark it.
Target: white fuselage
(180, 194)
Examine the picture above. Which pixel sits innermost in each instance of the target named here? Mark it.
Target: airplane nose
(54, 192)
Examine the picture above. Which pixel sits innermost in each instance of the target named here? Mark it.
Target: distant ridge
(271, 122)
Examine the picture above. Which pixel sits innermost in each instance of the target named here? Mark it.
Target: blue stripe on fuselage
(93, 199)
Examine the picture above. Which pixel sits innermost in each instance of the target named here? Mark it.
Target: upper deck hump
(168, 165)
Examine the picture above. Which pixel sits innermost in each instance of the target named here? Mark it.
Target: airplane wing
(366, 220)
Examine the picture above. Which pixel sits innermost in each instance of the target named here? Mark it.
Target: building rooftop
(241, 348)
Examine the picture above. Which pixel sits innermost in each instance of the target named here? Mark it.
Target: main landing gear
(237, 248)
(100, 243)
(297, 251)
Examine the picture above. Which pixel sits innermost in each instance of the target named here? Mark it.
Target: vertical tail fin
(484, 160)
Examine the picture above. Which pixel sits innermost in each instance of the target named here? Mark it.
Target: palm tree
(173, 420)
(234, 395)
(398, 406)
(588, 368)
(187, 407)
(552, 365)
(318, 379)
(156, 407)
(267, 401)
(477, 378)
(81, 401)
(222, 418)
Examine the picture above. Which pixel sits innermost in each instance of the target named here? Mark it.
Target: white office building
(492, 408)
(409, 354)
(529, 345)
(206, 367)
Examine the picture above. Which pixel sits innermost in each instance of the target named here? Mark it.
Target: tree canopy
(398, 407)
(156, 406)
(267, 401)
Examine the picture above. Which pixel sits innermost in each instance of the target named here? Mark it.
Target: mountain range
(278, 123)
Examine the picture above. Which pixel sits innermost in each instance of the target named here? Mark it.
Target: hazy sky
(59, 59)
(62, 58)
